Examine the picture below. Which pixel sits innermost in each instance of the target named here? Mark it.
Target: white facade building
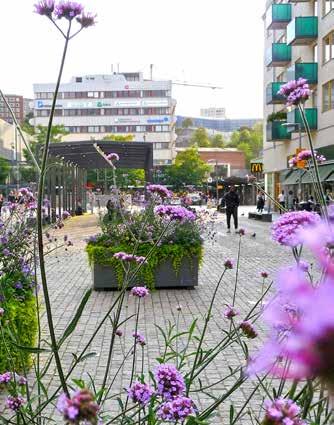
(299, 42)
(213, 112)
(93, 106)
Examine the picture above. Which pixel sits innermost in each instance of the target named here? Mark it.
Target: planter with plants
(161, 246)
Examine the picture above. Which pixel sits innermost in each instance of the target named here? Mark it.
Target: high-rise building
(299, 42)
(93, 106)
(213, 112)
(16, 102)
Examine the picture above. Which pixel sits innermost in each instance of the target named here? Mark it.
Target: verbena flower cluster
(78, 408)
(175, 212)
(230, 312)
(286, 230)
(170, 382)
(113, 157)
(140, 393)
(14, 402)
(123, 256)
(248, 329)
(139, 338)
(65, 9)
(295, 91)
(282, 411)
(176, 410)
(159, 189)
(139, 291)
(305, 155)
(12, 377)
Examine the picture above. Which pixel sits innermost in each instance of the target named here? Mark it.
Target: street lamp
(296, 125)
(216, 176)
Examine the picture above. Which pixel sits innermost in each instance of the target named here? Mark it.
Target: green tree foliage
(4, 170)
(200, 138)
(218, 141)
(187, 122)
(188, 169)
(118, 138)
(248, 140)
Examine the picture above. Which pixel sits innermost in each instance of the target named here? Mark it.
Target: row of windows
(328, 96)
(103, 111)
(327, 6)
(103, 94)
(119, 129)
(328, 46)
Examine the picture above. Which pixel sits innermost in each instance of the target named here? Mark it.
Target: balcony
(298, 1)
(279, 54)
(311, 116)
(307, 70)
(278, 16)
(272, 98)
(302, 31)
(276, 131)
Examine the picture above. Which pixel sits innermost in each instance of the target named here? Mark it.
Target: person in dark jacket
(232, 202)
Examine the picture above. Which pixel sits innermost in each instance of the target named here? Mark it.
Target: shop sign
(257, 167)
(157, 120)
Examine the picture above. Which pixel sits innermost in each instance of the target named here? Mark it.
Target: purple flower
(282, 411)
(176, 410)
(5, 378)
(306, 155)
(293, 161)
(175, 212)
(242, 232)
(6, 252)
(140, 393)
(161, 190)
(139, 291)
(264, 275)
(170, 382)
(118, 332)
(14, 403)
(86, 20)
(65, 215)
(248, 329)
(45, 7)
(113, 157)
(295, 91)
(304, 265)
(228, 264)
(230, 312)
(68, 10)
(18, 285)
(78, 408)
(140, 339)
(123, 256)
(286, 230)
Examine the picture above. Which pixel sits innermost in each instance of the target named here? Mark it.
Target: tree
(218, 141)
(187, 122)
(188, 169)
(248, 140)
(200, 138)
(118, 138)
(4, 170)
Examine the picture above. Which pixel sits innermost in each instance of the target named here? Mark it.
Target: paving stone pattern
(69, 277)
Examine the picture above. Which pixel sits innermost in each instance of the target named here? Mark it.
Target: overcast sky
(219, 42)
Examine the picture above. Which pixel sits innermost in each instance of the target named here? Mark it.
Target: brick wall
(235, 159)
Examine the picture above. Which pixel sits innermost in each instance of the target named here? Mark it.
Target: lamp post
(296, 125)
(216, 176)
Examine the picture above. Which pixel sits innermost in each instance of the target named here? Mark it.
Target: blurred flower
(140, 339)
(68, 10)
(303, 265)
(78, 408)
(264, 275)
(66, 215)
(286, 229)
(242, 232)
(113, 157)
(140, 393)
(295, 91)
(5, 378)
(175, 212)
(45, 7)
(160, 190)
(86, 20)
(2, 311)
(282, 411)
(176, 410)
(230, 312)
(170, 382)
(123, 256)
(119, 332)
(248, 329)
(139, 291)
(14, 402)
(6, 252)
(228, 264)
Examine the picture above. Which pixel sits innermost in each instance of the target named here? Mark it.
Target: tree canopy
(200, 138)
(118, 138)
(248, 140)
(4, 170)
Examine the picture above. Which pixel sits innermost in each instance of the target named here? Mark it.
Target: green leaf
(231, 413)
(34, 350)
(79, 383)
(71, 327)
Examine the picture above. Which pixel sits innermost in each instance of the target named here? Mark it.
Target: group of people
(291, 202)
(14, 197)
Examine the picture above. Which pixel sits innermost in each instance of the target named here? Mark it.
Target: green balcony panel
(307, 70)
(311, 116)
(278, 16)
(276, 131)
(272, 98)
(302, 30)
(298, 1)
(279, 54)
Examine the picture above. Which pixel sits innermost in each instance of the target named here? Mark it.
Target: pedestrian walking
(260, 202)
(281, 201)
(232, 202)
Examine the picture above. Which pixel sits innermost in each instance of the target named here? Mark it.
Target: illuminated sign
(162, 102)
(163, 120)
(127, 103)
(257, 167)
(42, 104)
(127, 120)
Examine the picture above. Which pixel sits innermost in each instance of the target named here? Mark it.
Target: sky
(215, 42)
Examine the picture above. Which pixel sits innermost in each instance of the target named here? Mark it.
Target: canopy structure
(66, 186)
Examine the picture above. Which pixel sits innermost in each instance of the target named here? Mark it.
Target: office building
(16, 102)
(93, 106)
(299, 42)
(213, 112)
(11, 143)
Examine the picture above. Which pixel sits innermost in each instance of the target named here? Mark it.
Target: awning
(325, 172)
(293, 178)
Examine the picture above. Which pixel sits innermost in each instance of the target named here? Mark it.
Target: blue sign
(39, 103)
(158, 120)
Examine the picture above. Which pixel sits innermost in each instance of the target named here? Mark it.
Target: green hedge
(19, 321)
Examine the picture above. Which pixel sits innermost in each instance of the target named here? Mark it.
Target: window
(155, 93)
(327, 6)
(315, 7)
(90, 94)
(315, 53)
(328, 96)
(328, 47)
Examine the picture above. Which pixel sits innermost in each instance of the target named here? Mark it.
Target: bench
(267, 217)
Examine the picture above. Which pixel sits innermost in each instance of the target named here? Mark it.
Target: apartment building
(93, 106)
(213, 112)
(16, 102)
(299, 42)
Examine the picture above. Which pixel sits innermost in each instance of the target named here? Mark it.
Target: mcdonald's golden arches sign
(257, 167)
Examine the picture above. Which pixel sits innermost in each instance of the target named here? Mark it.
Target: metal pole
(217, 190)
(300, 147)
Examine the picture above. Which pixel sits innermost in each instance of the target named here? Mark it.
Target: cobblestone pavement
(70, 276)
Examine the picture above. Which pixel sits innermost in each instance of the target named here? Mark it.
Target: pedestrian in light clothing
(232, 202)
(281, 201)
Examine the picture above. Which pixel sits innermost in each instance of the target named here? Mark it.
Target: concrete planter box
(104, 277)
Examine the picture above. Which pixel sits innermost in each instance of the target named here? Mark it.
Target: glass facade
(302, 30)
(304, 70)
(225, 126)
(272, 97)
(311, 116)
(278, 16)
(277, 131)
(279, 54)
